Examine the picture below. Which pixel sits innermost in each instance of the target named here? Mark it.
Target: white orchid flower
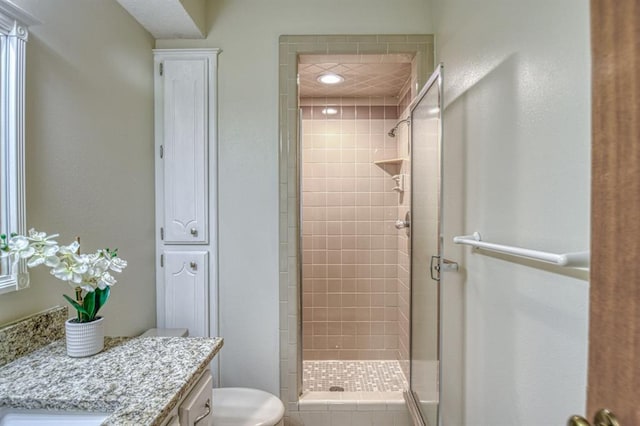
(20, 247)
(62, 272)
(106, 280)
(69, 271)
(117, 264)
(70, 250)
(46, 255)
(42, 238)
(101, 265)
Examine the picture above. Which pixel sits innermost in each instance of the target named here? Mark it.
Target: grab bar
(576, 259)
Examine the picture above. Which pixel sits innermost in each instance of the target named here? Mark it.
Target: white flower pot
(84, 338)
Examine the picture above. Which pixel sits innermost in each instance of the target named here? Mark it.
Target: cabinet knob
(193, 265)
(194, 232)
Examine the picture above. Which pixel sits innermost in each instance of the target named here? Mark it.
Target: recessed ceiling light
(330, 78)
(329, 111)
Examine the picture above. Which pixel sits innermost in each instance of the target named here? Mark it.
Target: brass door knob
(603, 417)
(578, 421)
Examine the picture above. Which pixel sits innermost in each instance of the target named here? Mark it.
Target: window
(13, 38)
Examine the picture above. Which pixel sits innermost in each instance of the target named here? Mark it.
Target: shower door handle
(441, 265)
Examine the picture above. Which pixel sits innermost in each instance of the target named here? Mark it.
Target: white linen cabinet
(185, 175)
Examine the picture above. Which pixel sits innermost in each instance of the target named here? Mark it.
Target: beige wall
(247, 31)
(89, 137)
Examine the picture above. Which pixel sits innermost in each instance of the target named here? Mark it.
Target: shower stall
(354, 329)
(364, 262)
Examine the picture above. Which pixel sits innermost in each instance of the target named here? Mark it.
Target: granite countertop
(139, 380)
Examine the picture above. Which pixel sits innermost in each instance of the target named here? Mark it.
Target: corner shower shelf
(390, 162)
(391, 165)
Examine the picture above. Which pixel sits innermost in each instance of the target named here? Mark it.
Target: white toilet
(245, 407)
(235, 406)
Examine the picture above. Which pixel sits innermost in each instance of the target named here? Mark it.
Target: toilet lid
(245, 407)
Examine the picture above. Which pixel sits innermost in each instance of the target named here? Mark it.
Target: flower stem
(79, 300)
(78, 289)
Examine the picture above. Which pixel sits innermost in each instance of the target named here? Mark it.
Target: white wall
(89, 141)
(248, 31)
(517, 169)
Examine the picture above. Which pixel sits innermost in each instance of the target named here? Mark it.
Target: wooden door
(614, 336)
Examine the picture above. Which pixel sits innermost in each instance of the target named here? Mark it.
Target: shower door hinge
(161, 151)
(161, 233)
(435, 267)
(162, 260)
(161, 68)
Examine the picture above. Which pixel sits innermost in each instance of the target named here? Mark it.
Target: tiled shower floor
(353, 376)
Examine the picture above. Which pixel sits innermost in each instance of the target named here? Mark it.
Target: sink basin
(23, 417)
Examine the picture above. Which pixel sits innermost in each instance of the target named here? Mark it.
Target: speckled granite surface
(29, 334)
(139, 380)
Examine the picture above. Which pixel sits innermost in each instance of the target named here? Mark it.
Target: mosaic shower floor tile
(353, 376)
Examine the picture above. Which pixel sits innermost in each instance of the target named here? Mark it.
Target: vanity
(142, 380)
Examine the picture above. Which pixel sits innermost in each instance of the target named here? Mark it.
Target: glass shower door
(426, 136)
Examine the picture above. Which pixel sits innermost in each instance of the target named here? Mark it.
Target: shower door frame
(435, 80)
(290, 250)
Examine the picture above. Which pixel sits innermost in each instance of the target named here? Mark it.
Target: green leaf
(78, 307)
(89, 304)
(101, 297)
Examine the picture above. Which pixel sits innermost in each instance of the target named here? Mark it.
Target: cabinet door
(185, 291)
(185, 174)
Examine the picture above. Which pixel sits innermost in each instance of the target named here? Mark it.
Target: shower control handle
(405, 224)
(400, 224)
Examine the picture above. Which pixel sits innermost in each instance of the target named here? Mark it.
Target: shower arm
(392, 132)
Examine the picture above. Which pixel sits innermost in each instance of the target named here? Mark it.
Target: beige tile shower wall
(350, 286)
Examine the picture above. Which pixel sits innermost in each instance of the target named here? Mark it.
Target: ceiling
(364, 75)
(169, 19)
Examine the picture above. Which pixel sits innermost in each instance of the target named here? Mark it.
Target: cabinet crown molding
(15, 21)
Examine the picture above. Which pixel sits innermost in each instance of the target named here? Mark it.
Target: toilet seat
(245, 407)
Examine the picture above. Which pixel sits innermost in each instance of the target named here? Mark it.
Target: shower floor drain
(336, 389)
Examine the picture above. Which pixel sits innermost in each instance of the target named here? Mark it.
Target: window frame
(14, 33)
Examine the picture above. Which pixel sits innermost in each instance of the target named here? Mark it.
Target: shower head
(392, 132)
